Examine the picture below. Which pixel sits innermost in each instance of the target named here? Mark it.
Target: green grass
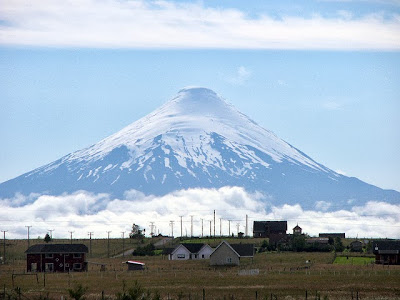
(356, 261)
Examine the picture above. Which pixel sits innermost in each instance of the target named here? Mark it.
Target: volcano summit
(196, 140)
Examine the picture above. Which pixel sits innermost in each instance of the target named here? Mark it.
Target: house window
(48, 255)
(77, 255)
(229, 259)
(202, 256)
(49, 267)
(181, 255)
(77, 266)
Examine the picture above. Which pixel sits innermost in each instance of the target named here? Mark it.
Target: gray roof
(244, 249)
(57, 248)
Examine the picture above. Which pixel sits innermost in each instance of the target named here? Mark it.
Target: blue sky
(322, 75)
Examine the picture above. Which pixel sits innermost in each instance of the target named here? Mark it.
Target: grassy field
(282, 275)
(357, 261)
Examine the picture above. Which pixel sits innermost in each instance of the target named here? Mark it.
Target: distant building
(356, 246)
(190, 251)
(56, 258)
(333, 235)
(297, 230)
(318, 241)
(275, 231)
(387, 252)
(230, 254)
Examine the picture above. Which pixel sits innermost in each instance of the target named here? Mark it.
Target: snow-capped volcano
(196, 139)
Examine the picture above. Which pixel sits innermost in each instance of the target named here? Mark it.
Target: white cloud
(167, 24)
(82, 212)
(241, 77)
(332, 105)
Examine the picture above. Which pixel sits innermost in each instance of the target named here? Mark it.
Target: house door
(49, 267)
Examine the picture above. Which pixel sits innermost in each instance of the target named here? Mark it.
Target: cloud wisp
(82, 212)
(168, 24)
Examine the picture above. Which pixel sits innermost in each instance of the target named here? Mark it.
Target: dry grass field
(281, 276)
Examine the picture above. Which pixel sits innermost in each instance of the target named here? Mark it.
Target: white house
(191, 251)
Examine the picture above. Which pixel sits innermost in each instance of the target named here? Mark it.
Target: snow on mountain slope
(196, 139)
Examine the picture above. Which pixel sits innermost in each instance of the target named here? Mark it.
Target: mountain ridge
(197, 139)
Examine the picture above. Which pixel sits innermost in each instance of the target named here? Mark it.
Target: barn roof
(386, 245)
(132, 262)
(260, 226)
(57, 248)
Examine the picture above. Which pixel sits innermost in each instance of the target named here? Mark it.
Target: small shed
(135, 265)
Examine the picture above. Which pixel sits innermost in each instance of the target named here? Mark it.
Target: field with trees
(270, 275)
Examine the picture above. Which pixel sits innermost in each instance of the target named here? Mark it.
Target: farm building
(191, 251)
(333, 235)
(275, 231)
(135, 265)
(56, 258)
(387, 252)
(297, 230)
(356, 246)
(230, 254)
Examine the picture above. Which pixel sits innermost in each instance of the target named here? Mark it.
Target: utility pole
(229, 227)
(123, 243)
(71, 232)
(51, 233)
(4, 245)
(247, 224)
(202, 227)
(171, 223)
(214, 223)
(181, 226)
(191, 226)
(90, 242)
(210, 229)
(220, 227)
(151, 229)
(108, 244)
(28, 235)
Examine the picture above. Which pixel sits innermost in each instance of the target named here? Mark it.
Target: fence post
(204, 294)
(256, 295)
(306, 294)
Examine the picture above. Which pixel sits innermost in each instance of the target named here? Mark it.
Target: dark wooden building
(387, 252)
(275, 231)
(333, 235)
(135, 265)
(56, 258)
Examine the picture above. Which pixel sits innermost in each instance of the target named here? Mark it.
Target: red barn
(56, 258)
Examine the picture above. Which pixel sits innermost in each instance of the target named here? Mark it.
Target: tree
(136, 232)
(299, 243)
(338, 245)
(47, 238)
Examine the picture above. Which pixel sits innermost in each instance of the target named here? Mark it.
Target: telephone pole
(229, 227)
(247, 224)
(51, 233)
(191, 226)
(202, 227)
(171, 223)
(123, 243)
(108, 244)
(71, 232)
(210, 229)
(152, 229)
(90, 242)
(214, 223)
(181, 226)
(28, 234)
(4, 245)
